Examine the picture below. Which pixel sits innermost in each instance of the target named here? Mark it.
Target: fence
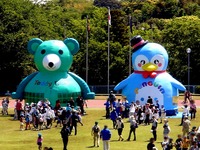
(102, 89)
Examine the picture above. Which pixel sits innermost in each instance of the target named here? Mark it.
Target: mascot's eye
(156, 61)
(142, 62)
(60, 52)
(43, 51)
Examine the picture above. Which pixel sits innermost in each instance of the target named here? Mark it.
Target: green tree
(178, 35)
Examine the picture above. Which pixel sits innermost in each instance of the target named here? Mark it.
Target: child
(178, 142)
(22, 121)
(185, 143)
(166, 128)
(27, 119)
(39, 141)
(162, 113)
(165, 143)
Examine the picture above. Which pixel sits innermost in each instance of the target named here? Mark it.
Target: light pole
(188, 50)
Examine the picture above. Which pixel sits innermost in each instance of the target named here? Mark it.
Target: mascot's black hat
(137, 42)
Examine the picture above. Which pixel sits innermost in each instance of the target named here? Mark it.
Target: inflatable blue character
(150, 79)
(53, 81)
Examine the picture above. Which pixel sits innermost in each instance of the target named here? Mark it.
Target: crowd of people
(41, 115)
(117, 109)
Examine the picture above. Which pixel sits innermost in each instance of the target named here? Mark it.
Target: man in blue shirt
(105, 135)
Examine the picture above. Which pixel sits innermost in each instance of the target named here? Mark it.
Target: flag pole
(86, 76)
(109, 23)
(130, 24)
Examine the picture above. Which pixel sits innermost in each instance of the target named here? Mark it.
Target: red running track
(97, 103)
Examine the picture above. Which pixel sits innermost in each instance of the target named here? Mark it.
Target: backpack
(96, 129)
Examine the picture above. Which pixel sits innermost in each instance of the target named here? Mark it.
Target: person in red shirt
(19, 108)
(187, 96)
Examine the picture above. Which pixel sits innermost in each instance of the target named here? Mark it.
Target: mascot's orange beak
(149, 67)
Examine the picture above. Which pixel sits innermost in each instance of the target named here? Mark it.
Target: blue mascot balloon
(150, 61)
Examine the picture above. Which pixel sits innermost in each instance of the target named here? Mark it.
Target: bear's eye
(43, 51)
(60, 52)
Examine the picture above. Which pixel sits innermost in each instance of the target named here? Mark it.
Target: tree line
(174, 24)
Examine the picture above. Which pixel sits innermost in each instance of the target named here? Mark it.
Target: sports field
(12, 138)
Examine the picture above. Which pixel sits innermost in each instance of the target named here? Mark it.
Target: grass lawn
(12, 138)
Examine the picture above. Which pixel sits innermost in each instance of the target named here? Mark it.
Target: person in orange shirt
(185, 143)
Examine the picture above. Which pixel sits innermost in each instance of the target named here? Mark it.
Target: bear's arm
(19, 94)
(85, 90)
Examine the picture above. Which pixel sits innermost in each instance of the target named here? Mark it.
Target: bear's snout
(51, 62)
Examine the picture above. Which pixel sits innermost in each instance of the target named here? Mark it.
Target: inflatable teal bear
(53, 81)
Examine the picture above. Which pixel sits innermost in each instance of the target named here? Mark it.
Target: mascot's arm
(19, 94)
(86, 93)
(177, 86)
(121, 85)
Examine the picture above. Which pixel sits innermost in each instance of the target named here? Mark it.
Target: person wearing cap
(74, 119)
(111, 98)
(39, 141)
(186, 126)
(133, 126)
(120, 127)
(96, 134)
(105, 135)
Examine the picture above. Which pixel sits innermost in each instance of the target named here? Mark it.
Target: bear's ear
(72, 44)
(33, 45)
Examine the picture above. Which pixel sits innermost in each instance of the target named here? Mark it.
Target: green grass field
(12, 138)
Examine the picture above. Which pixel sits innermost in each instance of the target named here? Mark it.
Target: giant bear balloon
(150, 78)
(53, 81)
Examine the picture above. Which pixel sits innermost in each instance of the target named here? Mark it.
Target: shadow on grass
(115, 141)
(90, 146)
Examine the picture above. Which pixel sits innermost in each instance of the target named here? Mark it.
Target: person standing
(187, 96)
(96, 134)
(147, 112)
(107, 105)
(65, 131)
(105, 135)
(193, 109)
(39, 141)
(186, 126)
(154, 127)
(74, 119)
(133, 126)
(112, 98)
(150, 100)
(178, 142)
(166, 128)
(185, 113)
(120, 127)
(162, 113)
(113, 117)
(19, 108)
(80, 103)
